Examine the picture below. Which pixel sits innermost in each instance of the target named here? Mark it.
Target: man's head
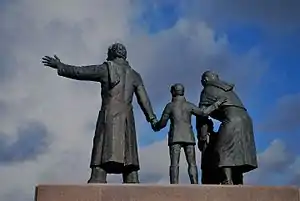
(208, 76)
(116, 50)
(177, 90)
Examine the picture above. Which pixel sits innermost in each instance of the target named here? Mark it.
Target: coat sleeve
(164, 117)
(204, 110)
(88, 73)
(142, 98)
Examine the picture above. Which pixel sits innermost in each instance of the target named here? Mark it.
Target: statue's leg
(217, 178)
(203, 176)
(210, 176)
(174, 167)
(227, 176)
(98, 175)
(206, 177)
(241, 179)
(237, 177)
(189, 151)
(131, 177)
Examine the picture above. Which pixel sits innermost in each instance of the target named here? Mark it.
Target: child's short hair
(177, 89)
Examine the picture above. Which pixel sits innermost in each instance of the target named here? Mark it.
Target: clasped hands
(154, 125)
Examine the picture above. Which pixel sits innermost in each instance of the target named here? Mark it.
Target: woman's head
(208, 76)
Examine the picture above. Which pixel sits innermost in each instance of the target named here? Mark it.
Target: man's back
(119, 83)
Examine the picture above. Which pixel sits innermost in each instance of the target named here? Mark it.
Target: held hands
(154, 124)
(52, 62)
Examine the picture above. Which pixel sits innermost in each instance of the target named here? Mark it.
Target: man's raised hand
(52, 62)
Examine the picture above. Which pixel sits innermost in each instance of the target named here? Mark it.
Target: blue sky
(47, 122)
(281, 52)
(280, 49)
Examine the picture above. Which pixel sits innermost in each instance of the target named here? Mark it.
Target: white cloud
(79, 31)
(275, 162)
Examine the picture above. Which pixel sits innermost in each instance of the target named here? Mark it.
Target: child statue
(181, 135)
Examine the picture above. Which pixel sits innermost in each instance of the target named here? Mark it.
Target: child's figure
(181, 135)
(209, 158)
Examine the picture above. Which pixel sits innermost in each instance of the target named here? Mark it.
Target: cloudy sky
(47, 122)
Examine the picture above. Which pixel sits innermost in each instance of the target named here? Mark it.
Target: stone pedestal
(142, 192)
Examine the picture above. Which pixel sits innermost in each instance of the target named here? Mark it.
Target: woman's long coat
(115, 146)
(235, 144)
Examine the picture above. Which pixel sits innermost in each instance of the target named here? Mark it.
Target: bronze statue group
(226, 154)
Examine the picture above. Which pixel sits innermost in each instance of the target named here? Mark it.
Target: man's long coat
(115, 146)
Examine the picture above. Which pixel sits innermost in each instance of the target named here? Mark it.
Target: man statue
(115, 148)
(235, 145)
(207, 139)
(181, 135)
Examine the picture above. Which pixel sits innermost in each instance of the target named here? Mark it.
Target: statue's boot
(131, 177)
(174, 174)
(98, 175)
(227, 173)
(193, 174)
(238, 178)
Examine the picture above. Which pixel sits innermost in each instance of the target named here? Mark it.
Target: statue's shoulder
(168, 107)
(105, 64)
(190, 104)
(134, 72)
(135, 75)
(220, 85)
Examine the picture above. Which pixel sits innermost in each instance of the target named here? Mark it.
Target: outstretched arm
(206, 110)
(164, 118)
(90, 73)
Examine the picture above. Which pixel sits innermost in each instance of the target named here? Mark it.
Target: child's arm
(164, 118)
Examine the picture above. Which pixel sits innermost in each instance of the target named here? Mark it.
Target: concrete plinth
(142, 192)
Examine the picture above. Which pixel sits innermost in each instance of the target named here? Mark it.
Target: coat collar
(121, 61)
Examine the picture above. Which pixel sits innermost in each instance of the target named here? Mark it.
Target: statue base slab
(142, 192)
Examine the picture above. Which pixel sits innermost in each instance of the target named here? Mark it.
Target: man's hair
(177, 89)
(117, 50)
